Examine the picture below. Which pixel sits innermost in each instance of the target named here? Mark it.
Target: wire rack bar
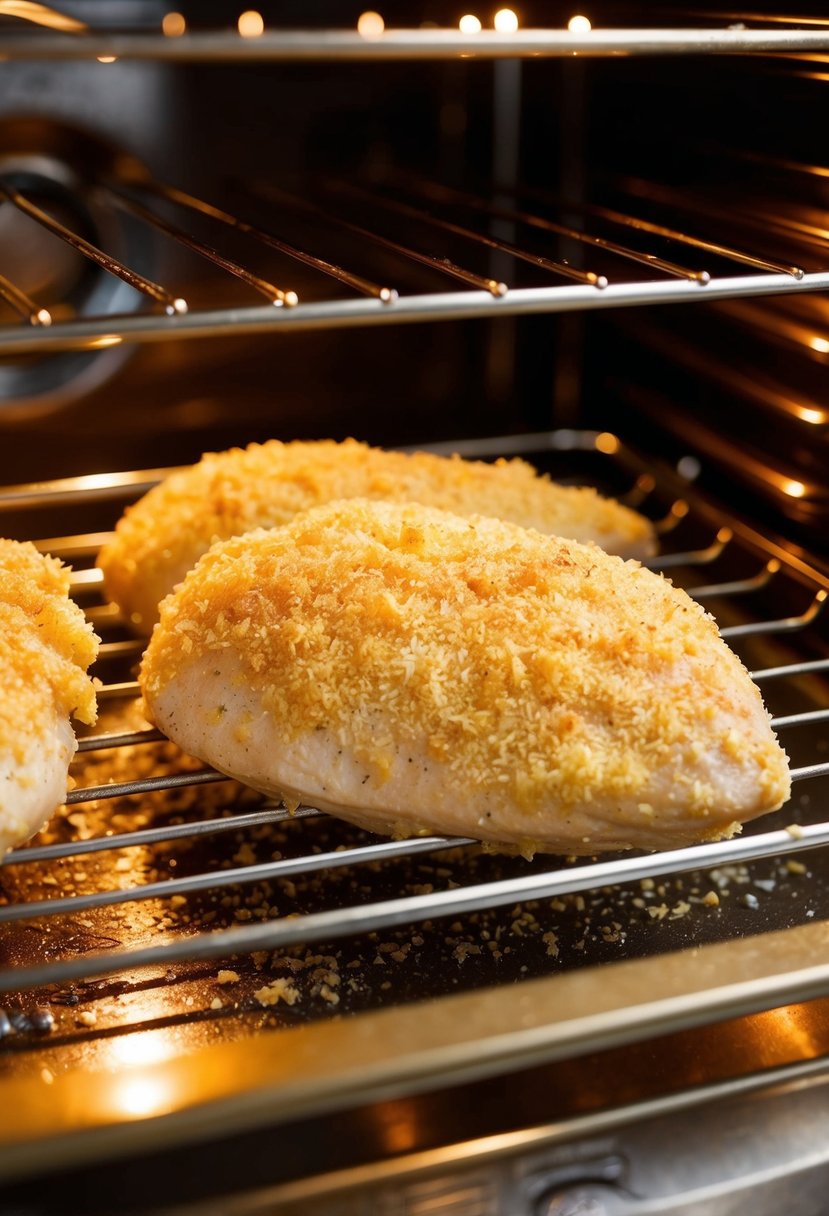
(801, 719)
(791, 669)
(444, 194)
(276, 295)
(693, 557)
(684, 238)
(116, 692)
(742, 586)
(121, 650)
(23, 304)
(344, 922)
(94, 743)
(553, 265)
(441, 265)
(789, 624)
(71, 548)
(344, 314)
(173, 305)
(150, 836)
(272, 45)
(144, 785)
(88, 488)
(242, 875)
(189, 201)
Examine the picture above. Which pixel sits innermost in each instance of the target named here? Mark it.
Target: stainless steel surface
(342, 314)
(396, 44)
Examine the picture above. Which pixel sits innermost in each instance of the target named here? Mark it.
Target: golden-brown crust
(46, 645)
(528, 669)
(265, 485)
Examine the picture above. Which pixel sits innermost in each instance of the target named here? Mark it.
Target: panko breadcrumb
(46, 646)
(227, 494)
(413, 671)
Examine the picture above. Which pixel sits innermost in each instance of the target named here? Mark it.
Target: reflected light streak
(141, 1095)
(794, 489)
(821, 345)
(815, 417)
(104, 341)
(41, 14)
(149, 1047)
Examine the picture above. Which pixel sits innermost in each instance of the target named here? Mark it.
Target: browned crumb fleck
(278, 990)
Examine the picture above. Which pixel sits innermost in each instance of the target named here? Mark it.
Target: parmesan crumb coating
(46, 646)
(414, 671)
(162, 536)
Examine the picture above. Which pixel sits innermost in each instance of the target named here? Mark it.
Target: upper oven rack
(379, 44)
(768, 563)
(169, 318)
(408, 222)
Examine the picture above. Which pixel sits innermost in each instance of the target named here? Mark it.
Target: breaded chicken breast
(46, 646)
(162, 536)
(413, 671)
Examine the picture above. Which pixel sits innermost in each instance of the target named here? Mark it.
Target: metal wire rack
(380, 44)
(396, 232)
(743, 565)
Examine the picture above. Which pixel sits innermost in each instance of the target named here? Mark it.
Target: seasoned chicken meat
(162, 536)
(414, 671)
(46, 647)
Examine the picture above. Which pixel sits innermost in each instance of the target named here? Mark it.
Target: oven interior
(610, 262)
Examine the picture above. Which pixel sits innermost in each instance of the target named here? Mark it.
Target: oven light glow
(43, 316)
(506, 21)
(173, 25)
(820, 345)
(251, 24)
(579, 25)
(794, 489)
(107, 59)
(370, 25)
(470, 24)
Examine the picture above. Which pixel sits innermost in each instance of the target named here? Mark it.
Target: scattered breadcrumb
(228, 977)
(278, 990)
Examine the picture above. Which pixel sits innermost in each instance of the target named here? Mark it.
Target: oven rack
(290, 45)
(328, 924)
(412, 223)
